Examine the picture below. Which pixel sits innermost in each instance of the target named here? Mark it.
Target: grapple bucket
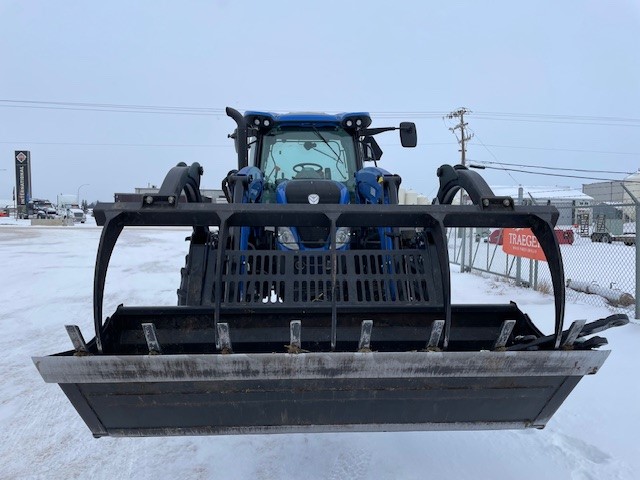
(317, 392)
(316, 341)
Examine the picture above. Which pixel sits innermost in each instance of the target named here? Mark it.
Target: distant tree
(84, 205)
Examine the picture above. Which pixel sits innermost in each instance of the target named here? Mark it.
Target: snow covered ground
(46, 276)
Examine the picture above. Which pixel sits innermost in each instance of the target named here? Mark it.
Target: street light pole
(78, 194)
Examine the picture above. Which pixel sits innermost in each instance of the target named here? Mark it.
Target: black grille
(360, 277)
(298, 191)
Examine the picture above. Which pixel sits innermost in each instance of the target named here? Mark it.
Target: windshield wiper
(338, 159)
(325, 141)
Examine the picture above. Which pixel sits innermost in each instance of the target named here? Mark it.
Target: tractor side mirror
(408, 134)
(234, 136)
(372, 151)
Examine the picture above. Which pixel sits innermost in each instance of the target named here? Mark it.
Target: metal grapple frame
(365, 339)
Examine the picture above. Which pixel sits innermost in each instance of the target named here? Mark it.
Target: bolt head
(506, 202)
(148, 200)
(485, 202)
(171, 200)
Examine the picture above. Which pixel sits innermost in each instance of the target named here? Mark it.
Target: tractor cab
(308, 154)
(321, 149)
(310, 158)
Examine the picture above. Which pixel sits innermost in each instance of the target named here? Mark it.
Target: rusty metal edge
(277, 366)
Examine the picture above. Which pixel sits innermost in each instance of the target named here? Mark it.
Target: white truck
(77, 214)
(68, 208)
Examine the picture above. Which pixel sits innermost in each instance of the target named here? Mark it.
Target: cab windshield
(309, 153)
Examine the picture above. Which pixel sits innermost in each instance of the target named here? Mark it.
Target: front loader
(313, 302)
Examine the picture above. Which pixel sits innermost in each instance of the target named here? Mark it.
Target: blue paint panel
(309, 118)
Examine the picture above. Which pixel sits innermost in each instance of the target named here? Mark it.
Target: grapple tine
(505, 330)
(295, 329)
(364, 345)
(224, 338)
(151, 337)
(77, 339)
(436, 333)
(295, 337)
(573, 333)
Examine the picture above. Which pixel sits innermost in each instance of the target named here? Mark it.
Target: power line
(561, 116)
(559, 189)
(554, 174)
(87, 144)
(607, 185)
(556, 168)
(182, 110)
(515, 119)
(496, 158)
(522, 147)
(114, 105)
(115, 110)
(187, 145)
(133, 108)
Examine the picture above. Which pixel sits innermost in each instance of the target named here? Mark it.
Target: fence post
(471, 241)
(531, 273)
(463, 248)
(636, 203)
(519, 259)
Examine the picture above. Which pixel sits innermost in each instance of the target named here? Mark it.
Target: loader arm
(453, 179)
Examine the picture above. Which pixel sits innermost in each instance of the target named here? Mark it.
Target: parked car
(495, 237)
(49, 212)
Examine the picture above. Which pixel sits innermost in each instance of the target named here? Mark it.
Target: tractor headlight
(343, 236)
(260, 121)
(287, 239)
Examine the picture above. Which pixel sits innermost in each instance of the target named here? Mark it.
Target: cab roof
(310, 118)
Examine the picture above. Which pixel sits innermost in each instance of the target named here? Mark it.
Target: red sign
(521, 242)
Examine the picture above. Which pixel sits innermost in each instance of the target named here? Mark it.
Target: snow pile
(46, 282)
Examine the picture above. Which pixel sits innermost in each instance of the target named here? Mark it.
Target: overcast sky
(549, 83)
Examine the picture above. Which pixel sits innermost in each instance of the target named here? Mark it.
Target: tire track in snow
(352, 464)
(587, 461)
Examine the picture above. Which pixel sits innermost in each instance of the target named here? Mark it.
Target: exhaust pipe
(240, 137)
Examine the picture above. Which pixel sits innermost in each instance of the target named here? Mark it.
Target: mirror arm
(375, 131)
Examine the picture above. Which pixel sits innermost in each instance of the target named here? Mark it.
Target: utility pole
(463, 150)
(463, 135)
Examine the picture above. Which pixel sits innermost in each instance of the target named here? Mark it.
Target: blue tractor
(310, 158)
(313, 302)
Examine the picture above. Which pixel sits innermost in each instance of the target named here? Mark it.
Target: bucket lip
(67, 368)
(305, 429)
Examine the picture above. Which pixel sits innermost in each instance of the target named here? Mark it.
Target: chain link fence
(599, 251)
